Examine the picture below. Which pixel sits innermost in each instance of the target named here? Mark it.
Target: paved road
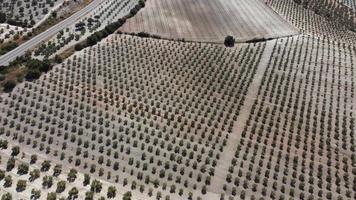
(21, 50)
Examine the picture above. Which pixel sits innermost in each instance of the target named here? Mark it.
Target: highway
(30, 44)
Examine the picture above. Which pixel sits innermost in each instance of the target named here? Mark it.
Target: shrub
(141, 3)
(9, 85)
(127, 196)
(229, 41)
(21, 185)
(6, 196)
(52, 196)
(2, 17)
(143, 34)
(15, 151)
(33, 74)
(35, 194)
(58, 59)
(2, 76)
(111, 192)
(78, 47)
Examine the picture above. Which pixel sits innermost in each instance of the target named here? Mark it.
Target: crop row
(312, 24)
(136, 111)
(299, 139)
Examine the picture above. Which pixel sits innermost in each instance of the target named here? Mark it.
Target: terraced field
(209, 20)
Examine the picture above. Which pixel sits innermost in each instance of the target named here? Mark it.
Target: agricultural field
(141, 112)
(27, 13)
(350, 3)
(8, 32)
(193, 100)
(35, 177)
(298, 141)
(209, 21)
(308, 22)
(108, 12)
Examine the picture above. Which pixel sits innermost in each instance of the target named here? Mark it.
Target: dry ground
(209, 20)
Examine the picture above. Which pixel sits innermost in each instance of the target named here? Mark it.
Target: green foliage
(35, 67)
(8, 181)
(33, 159)
(57, 170)
(6, 196)
(34, 174)
(73, 193)
(45, 166)
(96, 186)
(22, 169)
(8, 47)
(15, 151)
(111, 192)
(141, 3)
(229, 41)
(2, 17)
(89, 195)
(127, 196)
(2, 174)
(3, 144)
(9, 85)
(58, 59)
(10, 164)
(35, 194)
(52, 196)
(72, 175)
(86, 179)
(61, 186)
(78, 47)
(33, 74)
(47, 181)
(21, 185)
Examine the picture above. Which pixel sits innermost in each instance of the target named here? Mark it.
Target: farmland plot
(310, 23)
(299, 140)
(43, 177)
(151, 115)
(209, 20)
(27, 13)
(7, 32)
(349, 3)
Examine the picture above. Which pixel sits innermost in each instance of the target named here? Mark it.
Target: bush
(33, 74)
(143, 34)
(127, 196)
(21, 185)
(141, 3)
(2, 17)
(6, 196)
(2, 77)
(42, 66)
(8, 47)
(78, 47)
(9, 85)
(229, 41)
(58, 59)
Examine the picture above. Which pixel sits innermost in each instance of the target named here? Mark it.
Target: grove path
(229, 151)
